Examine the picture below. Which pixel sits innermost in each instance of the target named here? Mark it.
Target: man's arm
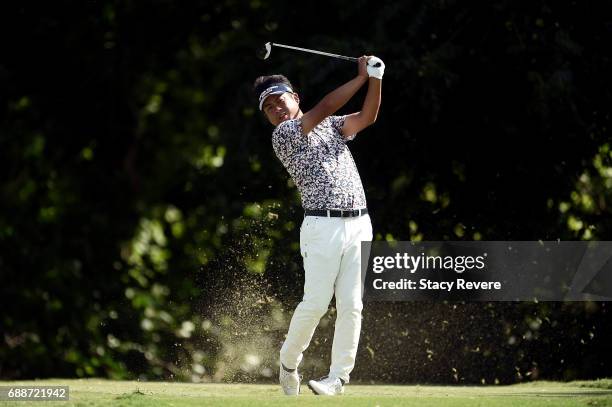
(335, 99)
(356, 122)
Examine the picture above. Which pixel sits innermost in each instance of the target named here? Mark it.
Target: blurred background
(147, 230)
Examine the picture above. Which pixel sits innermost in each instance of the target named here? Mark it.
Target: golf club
(265, 52)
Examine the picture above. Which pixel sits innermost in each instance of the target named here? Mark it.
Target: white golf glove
(376, 68)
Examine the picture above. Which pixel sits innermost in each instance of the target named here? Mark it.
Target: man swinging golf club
(312, 147)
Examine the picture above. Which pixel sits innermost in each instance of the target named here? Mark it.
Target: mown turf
(95, 392)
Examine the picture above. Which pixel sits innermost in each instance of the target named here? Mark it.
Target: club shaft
(312, 51)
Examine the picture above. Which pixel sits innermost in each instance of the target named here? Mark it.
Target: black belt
(335, 213)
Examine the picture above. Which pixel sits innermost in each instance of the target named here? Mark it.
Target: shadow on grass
(136, 394)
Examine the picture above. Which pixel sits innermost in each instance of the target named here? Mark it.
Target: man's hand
(376, 67)
(362, 68)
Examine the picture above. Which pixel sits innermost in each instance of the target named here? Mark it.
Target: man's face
(279, 108)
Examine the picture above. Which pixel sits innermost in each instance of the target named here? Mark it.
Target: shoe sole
(321, 394)
(314, 391)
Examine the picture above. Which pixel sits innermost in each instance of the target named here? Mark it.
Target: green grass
(95, 392)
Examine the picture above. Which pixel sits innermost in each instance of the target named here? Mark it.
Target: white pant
(331, 248)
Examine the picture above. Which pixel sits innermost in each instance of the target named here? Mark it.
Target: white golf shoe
(327, 386)
(289, 381)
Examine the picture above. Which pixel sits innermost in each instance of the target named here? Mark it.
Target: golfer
(312, 147)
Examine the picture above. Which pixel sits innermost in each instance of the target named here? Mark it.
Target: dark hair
(264, 82)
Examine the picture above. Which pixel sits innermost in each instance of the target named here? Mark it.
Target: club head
(268, 49)
(264, 53)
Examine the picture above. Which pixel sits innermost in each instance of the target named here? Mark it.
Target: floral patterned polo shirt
(320, 164)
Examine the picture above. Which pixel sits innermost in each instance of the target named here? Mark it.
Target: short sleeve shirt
(320, 164)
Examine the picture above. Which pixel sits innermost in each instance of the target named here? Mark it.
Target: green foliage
(585, 210)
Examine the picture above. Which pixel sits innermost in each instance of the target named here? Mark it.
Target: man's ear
(296, 97)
